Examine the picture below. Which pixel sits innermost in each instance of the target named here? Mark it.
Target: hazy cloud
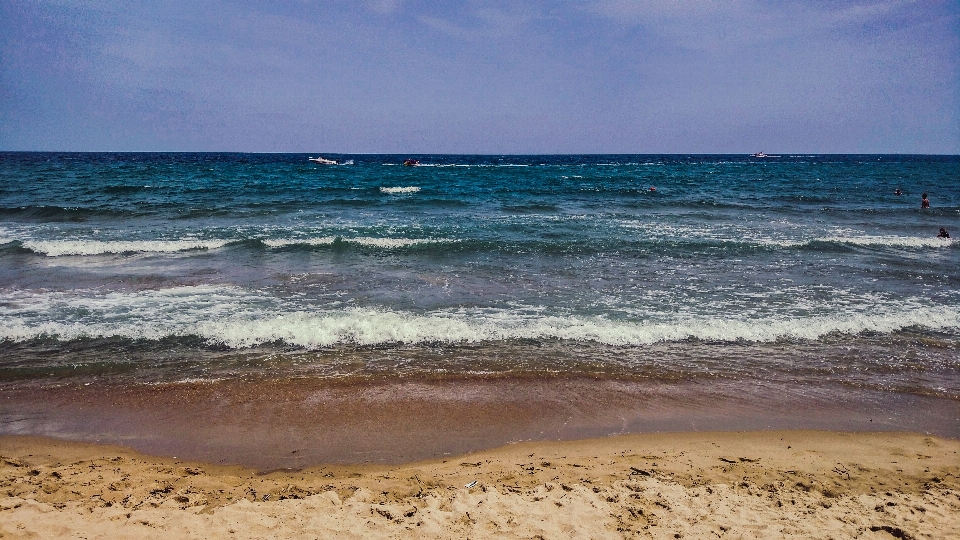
(385, 7)
(477, 21)
(709, 24)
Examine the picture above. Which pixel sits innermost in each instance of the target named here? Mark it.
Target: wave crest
(237, 318)
(57, 248)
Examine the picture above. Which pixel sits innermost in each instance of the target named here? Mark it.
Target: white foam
(407, 189)
(396, 242)
(16, 232)
(56, 248)
(241, 318)
(784, 235)
(891, 241)
(725, 233)
(283, 242)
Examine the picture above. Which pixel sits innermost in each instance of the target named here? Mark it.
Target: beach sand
(758, 484)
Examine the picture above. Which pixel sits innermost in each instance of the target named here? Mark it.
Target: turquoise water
(164, 267)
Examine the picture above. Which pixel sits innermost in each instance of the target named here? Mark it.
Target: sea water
(806, 271)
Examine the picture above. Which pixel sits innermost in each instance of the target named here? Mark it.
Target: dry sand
(788, 484)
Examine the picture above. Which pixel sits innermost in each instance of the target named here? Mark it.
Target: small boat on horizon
(324, 161)
(411, 162)
(762, 155)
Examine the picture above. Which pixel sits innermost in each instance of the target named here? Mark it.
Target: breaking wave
(239, 318)
(57, 248)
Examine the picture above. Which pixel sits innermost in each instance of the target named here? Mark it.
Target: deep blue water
(166, 266)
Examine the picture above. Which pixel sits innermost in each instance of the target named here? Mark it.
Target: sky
(488, 77)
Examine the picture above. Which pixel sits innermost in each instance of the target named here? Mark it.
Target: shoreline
(294, 423)
(788, 484)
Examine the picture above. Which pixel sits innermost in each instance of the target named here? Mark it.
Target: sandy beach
(761, 484)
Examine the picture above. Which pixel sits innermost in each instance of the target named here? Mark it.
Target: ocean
(800, 275)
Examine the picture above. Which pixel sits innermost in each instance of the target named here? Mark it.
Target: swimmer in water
(943, 233)
(898, 192)
(925, 203)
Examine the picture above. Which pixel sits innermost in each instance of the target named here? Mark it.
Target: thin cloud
(385, 7)
(482, 22)
(710, 25)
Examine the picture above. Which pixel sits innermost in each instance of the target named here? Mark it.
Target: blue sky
(404, 76)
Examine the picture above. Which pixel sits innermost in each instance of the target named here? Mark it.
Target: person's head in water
(898, 192)
(943, 233)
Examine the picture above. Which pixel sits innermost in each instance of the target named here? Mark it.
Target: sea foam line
(898, 241)
(56, 248)
(240, 319)
(365, 327)
(748, 235)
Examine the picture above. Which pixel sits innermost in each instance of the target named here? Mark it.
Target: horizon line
(749, 154)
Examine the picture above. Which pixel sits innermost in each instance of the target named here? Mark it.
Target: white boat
(324, 161)
(759, 154)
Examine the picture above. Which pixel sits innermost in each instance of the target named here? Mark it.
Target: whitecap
(891, 241)
(56, 248)
(283, 242)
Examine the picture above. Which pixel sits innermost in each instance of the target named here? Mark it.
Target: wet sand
(775, 484)
(295, 423)
(299, 422)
